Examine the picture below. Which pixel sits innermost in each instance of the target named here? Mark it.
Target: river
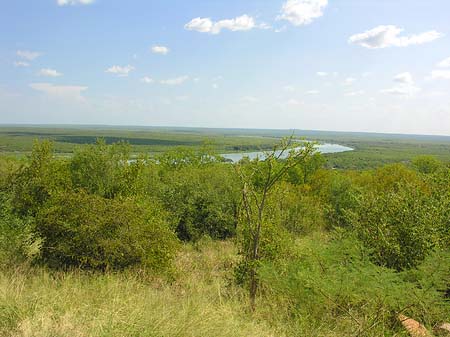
(322, 148)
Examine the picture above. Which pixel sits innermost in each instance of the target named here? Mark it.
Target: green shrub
(333, 286)
(427, 164)
(202, 201)
(88, 231)
(35, 181)
(17, 242)
(338, 193)
(400, 228)
(105, 170)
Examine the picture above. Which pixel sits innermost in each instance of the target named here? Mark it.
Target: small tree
(258, 178)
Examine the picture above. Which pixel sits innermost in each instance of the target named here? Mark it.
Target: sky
(341, 65)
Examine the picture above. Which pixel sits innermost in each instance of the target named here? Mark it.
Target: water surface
(322, 148)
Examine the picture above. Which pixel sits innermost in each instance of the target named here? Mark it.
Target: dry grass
(200, 302)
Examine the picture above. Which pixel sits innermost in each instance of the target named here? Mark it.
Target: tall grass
(200, 302)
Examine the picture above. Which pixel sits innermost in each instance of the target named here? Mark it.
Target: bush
(35, 181)
(296, 209)
(332, 286)
(400, 228)
(92, 232)
(202, 201)
(105, 170)
(17, 242)
(427, 164)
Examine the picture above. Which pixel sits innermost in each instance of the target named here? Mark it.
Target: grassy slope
(200, 302)
(203, 300)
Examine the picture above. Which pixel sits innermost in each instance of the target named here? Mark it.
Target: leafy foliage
(88, 231)
(202, 201)
(333, 285)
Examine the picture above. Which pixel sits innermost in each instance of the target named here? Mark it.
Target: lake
(322, 148)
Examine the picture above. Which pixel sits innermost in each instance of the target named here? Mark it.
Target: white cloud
(28, 55)
(175, 81)
(405, 78)
(264, 26)
(60, 91)
(74, 2)
(444, 63)
(405, 87)
(302, 12)
(162, 50)
(354, 93)
(215, 86)
(388, 36)
(21, 64)
(120, 71)
(349, 81)
(401, 91)
(49, 73)
(322, 74)
(147, 80)
(312, 92)
(206, 25)
(440, 74)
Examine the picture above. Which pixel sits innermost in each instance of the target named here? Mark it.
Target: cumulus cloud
(302, 12)
(28, 55)
(162, 50)
(147, 80)
(175, 81)
(322, 74)
(440, 74)
(21, 64)
(389, 36)
(120, 71)
(74, 2)
(206, 25)
(405, 78)
(59, 91)
(444, 63)
(405, 87)
(49, 72)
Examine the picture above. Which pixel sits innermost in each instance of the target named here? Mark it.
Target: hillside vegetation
(183, 244)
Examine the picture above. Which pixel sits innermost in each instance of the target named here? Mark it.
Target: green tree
(258, 179)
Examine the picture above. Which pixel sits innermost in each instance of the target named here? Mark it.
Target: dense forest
(185, 244)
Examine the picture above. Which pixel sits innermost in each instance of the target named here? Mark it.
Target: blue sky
(349, 65)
